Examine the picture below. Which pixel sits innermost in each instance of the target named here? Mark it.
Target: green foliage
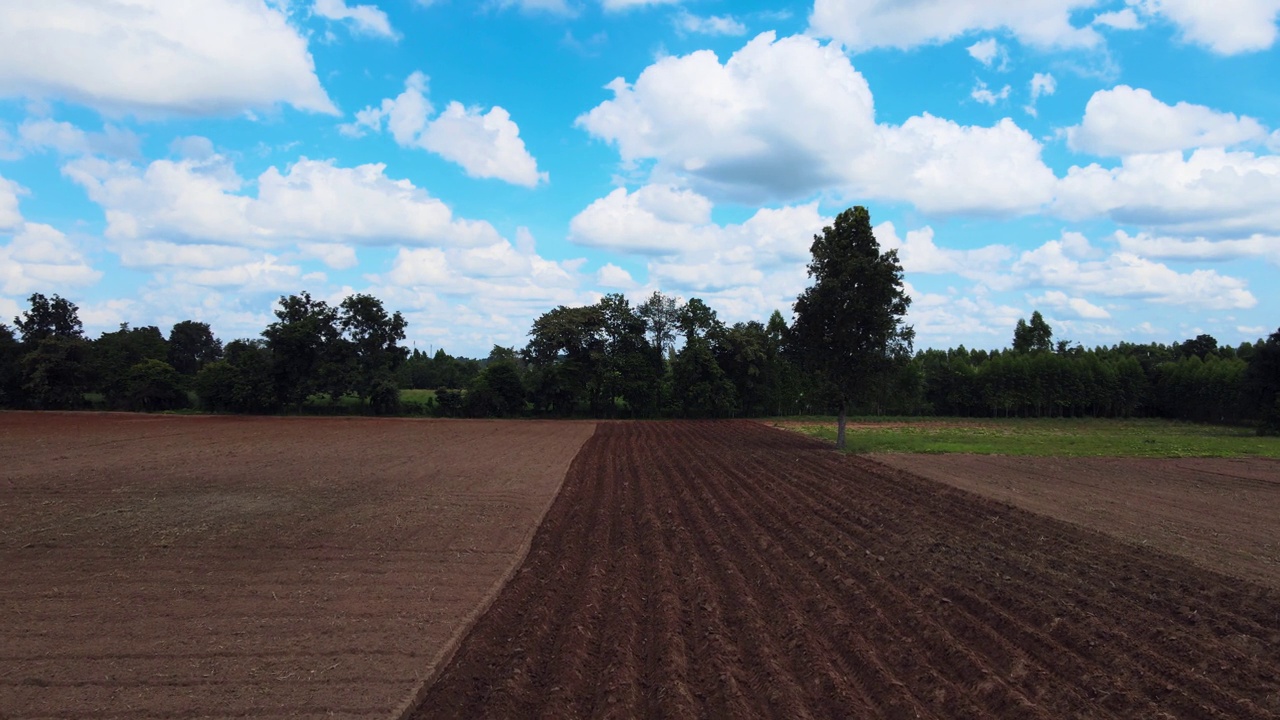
(497, 391)
(56, 373)
(702, 388)
(1262, 383)
(243, 382)
(1035, 336)
(371, 343)
(154, 385)
(1051, 437)
(848, 325)
(307, 357)
(10, 368)
(56, 317)
(116, 353)
(192, 346)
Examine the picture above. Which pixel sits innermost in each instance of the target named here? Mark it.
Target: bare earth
(1221, 514)
(730, 570)
(245, 567)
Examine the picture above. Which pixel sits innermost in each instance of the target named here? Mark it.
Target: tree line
(847, 350)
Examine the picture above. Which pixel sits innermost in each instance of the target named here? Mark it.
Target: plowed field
(1222, 514)
(181, 567)
(732, 570)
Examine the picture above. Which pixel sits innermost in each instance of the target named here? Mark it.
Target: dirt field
(237, 567)
(1222, 514)
(733, 570)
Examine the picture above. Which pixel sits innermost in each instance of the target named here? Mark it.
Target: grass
(1044, 437)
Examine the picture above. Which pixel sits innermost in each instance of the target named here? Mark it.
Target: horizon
(1113, 164)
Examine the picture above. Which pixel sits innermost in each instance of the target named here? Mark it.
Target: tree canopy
(849, 323)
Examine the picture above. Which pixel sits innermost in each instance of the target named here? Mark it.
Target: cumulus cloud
(200, 201)
(1064, 265)
(866, 24)
(365, 19)
(1200, 248)
(918, 253)
(748, 269)
(781, 119)
(687, 22)
(1210, 192)
(1228, 28)
(985, 51)
(1125, 19)
(1041, 84)
(10, 215)
(618, 5)
(1125, 121)
(218, 57)
(67, 139)
(984, 95)
(1061, 302)
(40, 258)
(486, 145)
(613, 277)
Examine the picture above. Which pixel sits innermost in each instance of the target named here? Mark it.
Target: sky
(1114, 164)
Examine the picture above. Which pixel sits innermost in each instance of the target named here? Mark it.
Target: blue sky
(1114, 164)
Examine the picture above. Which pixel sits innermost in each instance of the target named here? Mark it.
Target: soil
(1223, 514)
(181, 567)
(702, 569)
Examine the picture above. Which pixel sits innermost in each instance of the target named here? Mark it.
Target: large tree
(302, 343)
(192, 346)
(48, 317)
(848, 324)
(1034, 336)
(372, 349)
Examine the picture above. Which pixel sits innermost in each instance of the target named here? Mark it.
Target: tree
(10, 368)
(302, 343)
(1035, 336)
(244, 381)
(56, 372)
(660, 314)
(1262, 383)
(192, 346)
(566, 354)
(55, 317)
(153, 385)
(372, 335)
(848, 327)
(114, 355)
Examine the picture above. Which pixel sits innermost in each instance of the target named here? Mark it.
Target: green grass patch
(1045, 437)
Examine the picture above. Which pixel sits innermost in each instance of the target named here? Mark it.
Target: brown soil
(235, 567)
(732, 570)
(1222, 514)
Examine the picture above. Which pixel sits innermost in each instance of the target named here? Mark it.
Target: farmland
(318, 567)
(732, 570)
(253, 567)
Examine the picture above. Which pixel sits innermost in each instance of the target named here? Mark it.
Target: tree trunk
(840, 428)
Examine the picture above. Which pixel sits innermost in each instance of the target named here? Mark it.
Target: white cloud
(200, 201)
(745, 270)
(1041, 84)
(151, 254)
(919, 254)
(619, 5)
(985, 51)
(613, 277)
(552, 7)
(781, 119)
(10, 215)
(40, 258)
(333, 255)
(367, 19)
(712, 25)
(1200, 249)
(1125, 121)
(865, 24)
(948, 319)
(1125, 19)
(1227, 27)
(1060, 301)
(1061, 264)
(67, 139)
(486, 145)
(983, 94)
(1211, 192)
(654, 220)
(217, 57)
